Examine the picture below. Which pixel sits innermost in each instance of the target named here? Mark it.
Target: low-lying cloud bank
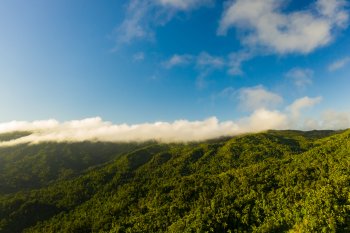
(95, 129)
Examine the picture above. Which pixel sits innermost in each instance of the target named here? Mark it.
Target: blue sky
(163, 60)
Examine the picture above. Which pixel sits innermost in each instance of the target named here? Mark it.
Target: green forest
(274, 181)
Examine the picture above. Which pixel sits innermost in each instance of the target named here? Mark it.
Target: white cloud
(329, 119)
(95, 129)
(336, 65)
(258, 97)
(335, 120)
(178, 60)
(265, 25)
(302, 103)
(263, 119)
(334, 10)
(301, 77)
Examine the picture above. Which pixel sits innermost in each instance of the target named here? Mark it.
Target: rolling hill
(275, 181)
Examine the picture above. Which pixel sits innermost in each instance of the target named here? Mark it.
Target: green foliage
(12, 136)
(277, 181)
(25, 167)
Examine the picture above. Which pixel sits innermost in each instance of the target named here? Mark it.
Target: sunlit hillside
(276, 181)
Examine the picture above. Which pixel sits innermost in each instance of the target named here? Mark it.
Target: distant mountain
(275, 181)
(12, 136)
(25, 167)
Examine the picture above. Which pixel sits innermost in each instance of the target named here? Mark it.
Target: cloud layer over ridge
(261, 118)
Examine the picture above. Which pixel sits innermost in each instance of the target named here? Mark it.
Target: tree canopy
(275, 181)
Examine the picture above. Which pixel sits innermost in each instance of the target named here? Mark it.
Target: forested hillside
(276, 181)
(24, 167)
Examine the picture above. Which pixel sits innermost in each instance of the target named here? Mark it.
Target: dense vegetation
(26, 167)
(276, 181)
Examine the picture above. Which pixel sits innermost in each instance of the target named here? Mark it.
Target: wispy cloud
(178, 60)
(335, 120)
(140, 56)
(302, 103)
(301, 77)
(204, 63)
(266, 25)
(235, 61)
(205, 60)
(142, 16)
(338, 64)
(229, 93)
(185, 4)
(134, 25)
(266, 28)
(253, 98)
